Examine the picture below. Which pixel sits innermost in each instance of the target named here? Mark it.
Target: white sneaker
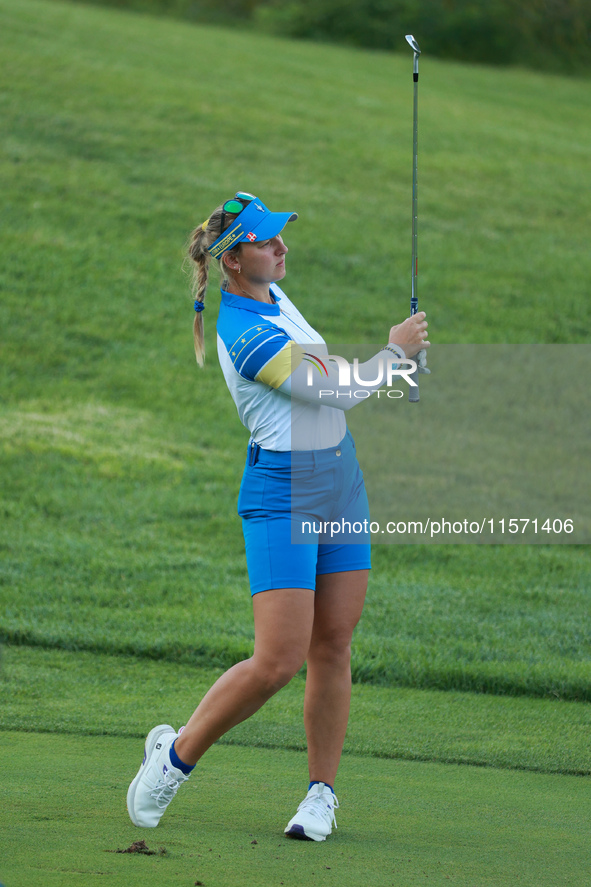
(315, 816)
(157, 781)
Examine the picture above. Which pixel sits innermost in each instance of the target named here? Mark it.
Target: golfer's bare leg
(338, 605)
(283, 621)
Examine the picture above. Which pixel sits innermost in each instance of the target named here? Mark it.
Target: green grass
(123, 587)
(121, 461)
(487, 446)
(96, 694)
(426, 823)
(118, 142)
(127, 541)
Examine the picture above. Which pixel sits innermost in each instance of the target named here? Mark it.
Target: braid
(198, 253)
(201, 238)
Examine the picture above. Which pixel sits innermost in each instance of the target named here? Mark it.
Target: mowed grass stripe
(60, 692)
(125, 118)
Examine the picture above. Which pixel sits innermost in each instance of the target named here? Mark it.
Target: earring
(239, 269)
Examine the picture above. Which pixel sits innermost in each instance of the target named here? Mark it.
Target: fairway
(399, 823)
(123, 586)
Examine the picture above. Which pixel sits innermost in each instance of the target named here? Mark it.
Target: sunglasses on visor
(235, 205)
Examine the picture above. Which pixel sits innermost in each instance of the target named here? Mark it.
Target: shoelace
(318, 807)
(166, 788)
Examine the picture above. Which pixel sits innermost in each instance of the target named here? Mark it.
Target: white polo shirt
(288, 390)
(259, 346)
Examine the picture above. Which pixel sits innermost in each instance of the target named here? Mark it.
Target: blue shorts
(303, 514)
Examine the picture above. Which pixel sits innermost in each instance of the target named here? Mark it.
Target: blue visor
(253, 224)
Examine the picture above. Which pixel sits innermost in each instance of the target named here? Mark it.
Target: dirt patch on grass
(141, 847)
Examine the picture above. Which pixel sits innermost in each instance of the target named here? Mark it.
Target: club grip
(413, 390)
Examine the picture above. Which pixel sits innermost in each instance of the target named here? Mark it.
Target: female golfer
(301, 493)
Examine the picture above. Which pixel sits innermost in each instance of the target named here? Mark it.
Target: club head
(413, 44)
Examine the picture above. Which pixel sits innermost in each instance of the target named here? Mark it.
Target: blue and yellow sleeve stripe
(265, 353)
(280, 367)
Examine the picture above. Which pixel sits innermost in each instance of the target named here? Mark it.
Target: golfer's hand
(411, 334)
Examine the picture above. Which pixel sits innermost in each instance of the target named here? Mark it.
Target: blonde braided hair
(201, 239)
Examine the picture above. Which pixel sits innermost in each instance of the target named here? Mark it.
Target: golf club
(413, 393)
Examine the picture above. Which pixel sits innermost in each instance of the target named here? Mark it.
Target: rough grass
(122, 537)
(97, 694)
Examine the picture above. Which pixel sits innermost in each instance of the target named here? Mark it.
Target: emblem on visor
(251, 236)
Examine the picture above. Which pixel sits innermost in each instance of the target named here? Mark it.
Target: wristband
(395, 349)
